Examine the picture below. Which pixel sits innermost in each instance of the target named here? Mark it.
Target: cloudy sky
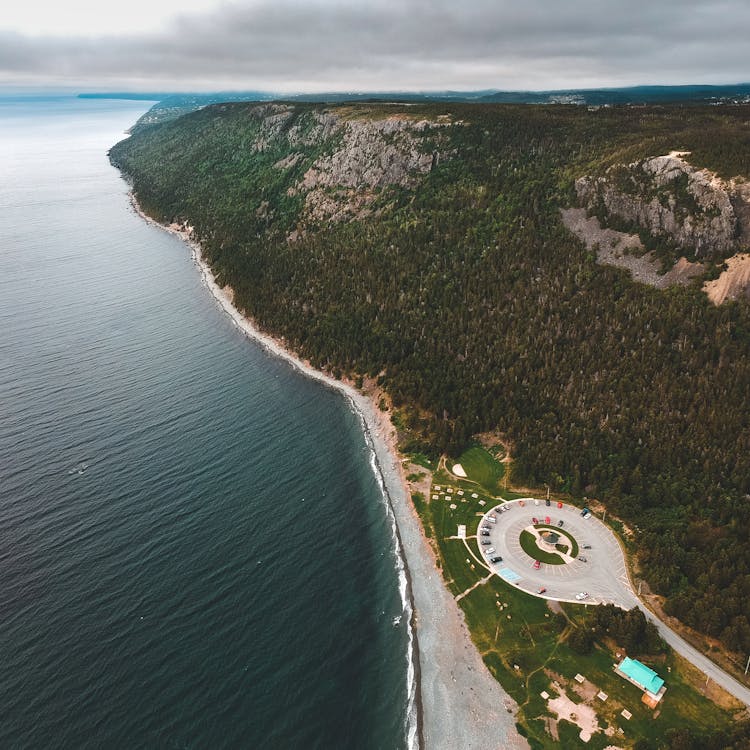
(324, 45)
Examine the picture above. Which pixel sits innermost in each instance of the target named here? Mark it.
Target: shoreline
(453, 700)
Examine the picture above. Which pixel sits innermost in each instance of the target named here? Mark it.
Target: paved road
(603, 576)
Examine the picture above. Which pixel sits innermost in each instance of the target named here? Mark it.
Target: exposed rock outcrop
(372, 154)
(671, 199)
(278, 124)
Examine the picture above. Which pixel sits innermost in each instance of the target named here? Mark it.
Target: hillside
(424, 245)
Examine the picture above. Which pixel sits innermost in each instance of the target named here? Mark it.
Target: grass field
(529, 546)
(483, 468)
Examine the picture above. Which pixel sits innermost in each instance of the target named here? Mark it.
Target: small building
(550, 539)
(643, 678)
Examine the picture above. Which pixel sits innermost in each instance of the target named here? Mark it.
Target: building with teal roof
(641, 676)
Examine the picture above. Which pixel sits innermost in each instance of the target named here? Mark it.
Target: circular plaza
(554, 550)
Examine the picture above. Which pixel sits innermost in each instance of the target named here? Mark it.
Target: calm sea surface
(194, 550)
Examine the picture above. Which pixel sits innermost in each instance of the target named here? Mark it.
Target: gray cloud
(288, 45)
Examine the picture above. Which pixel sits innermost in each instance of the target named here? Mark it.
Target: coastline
(453, 699)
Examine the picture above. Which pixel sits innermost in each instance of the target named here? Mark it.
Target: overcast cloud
(323, 45)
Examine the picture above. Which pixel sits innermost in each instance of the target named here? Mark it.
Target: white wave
(412, 724)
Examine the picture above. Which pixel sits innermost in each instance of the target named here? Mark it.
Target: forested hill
(424, 244)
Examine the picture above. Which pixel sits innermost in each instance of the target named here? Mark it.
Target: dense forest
(463, 292)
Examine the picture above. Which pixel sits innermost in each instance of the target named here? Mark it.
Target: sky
(289, 46)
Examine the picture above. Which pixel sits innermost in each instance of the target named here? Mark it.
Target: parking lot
(603, 577)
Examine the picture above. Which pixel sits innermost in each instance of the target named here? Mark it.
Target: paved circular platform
(603, 576)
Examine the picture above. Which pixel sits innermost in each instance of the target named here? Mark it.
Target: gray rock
(669, 198)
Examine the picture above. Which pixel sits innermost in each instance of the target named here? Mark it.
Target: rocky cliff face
(372, 155)
(671, 199)
(360, 156)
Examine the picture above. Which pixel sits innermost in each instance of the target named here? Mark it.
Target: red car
(559, 505)
(537, 565)
(546, 520)
(535, 520)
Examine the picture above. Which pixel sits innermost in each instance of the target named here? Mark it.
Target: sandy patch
(733, 283)
(458, 470)
(584, 717)
(682, 272)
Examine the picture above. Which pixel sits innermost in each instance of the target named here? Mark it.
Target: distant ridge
(173, 104)
(631, 95)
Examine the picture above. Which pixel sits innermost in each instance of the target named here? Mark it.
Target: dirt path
(480, 582)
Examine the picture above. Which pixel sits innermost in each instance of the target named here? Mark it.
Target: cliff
(701, 214)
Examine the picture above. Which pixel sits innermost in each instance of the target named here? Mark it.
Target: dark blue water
(194, 550)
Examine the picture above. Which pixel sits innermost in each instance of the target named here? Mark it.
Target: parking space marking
(509, 575)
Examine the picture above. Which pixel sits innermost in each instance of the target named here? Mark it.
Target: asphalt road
(603, 577)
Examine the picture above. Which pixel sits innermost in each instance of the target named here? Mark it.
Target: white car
(489, 551)
(583, 595)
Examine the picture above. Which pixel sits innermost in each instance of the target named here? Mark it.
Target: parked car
(486, 542)
(536, 502)
(560, 522)
(559, 504)
(485, 533)
(587, 546)
(537, 565)
(541, 590)
(583, 595)
(585, 511)
(547, 503)
(535, 520)
(489, 551)
(581, 558)
(547, 520)
(587, 514)
(496, 558)
(492, 518)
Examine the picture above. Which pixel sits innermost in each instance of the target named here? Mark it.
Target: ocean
(195, 550)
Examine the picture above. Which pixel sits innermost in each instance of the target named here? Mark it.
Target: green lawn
(528, 545)
(483, 468)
